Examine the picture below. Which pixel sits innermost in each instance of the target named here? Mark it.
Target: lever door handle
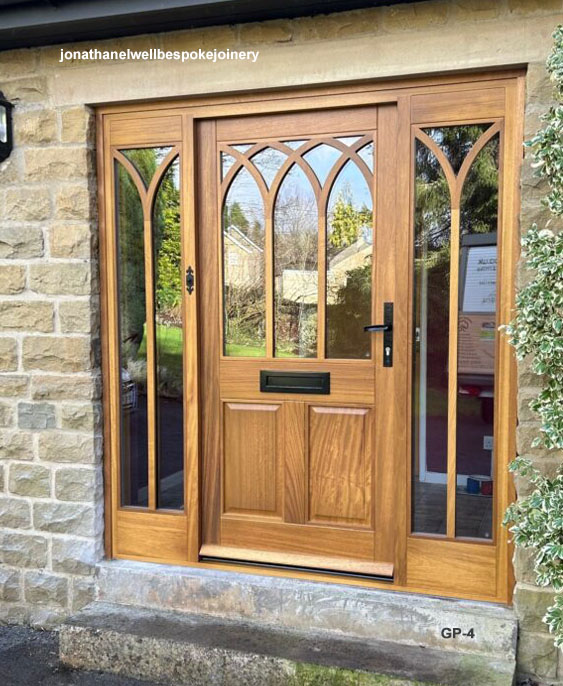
(387, 329)
(373, 328)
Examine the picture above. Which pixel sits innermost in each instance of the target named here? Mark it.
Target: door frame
(422, 562)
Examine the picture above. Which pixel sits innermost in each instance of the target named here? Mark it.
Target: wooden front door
(297, 228)
(247, 240)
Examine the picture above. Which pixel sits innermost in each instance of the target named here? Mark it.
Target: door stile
(509, 249)
(211, 326)
(191, 339)
(387, 503)
(107, 301)
(403, 331)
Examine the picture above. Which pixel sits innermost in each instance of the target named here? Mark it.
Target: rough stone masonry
(51, 504)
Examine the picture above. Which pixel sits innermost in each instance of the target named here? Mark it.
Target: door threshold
(380, 571)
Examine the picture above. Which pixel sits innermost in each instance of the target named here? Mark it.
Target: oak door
(300, 405)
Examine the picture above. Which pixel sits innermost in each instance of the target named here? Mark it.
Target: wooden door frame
(430, 559)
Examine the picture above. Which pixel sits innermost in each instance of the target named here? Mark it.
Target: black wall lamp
(6, 128)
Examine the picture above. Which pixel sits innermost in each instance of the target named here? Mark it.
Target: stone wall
(50, 415)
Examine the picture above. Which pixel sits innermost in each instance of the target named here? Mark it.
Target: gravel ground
(31, 658)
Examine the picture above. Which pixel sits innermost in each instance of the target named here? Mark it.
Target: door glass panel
(456, 141)
(295, 144)
(430, 356)
(268, 163)
(367, 155)
(146, 160)
(169, 340)
(132, 351)
(242, 147)
(296, 267)
(321, 159)
(349, 140)
(349, 260)
(227, 162)
(244, 300)
(477, 335)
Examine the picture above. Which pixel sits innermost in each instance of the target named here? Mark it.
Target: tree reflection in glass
(296, 267)
(349, 261)
(169, 340)
(244, 299)
(430, 360)
(132, 318)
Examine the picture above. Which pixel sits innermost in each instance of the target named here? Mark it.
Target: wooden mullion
(151, 354)
(452, 371)
(190, 330)
(269, 275)
(321, 284)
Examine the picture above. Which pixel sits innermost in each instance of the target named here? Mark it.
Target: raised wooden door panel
(253, 447)
(340, 459)
(293, 233)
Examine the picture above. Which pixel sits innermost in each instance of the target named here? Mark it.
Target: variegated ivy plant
(536, 521)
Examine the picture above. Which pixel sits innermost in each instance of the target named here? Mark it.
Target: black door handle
(387, 329)
(373, 328)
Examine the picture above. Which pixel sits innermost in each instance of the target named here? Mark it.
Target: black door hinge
(190, 280)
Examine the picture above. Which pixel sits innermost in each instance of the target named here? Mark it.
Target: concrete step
(339, 610)
(180, 649)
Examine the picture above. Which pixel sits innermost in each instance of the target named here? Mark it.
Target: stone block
(29, 479)
(51, 164)
(26, 315)
(398, 18)
(71, 240)
(6, 414)
(10, 584)
(69, 447)
(57, 354)
(35, 127)
(36, 416)
(77, 125)
(530, 604)
(526, 433)
(66, 518)
(23, 550)
(77, 485)
(527, 7)
(78, 316)
(44, 588)
(537, 656)
(475, 10)
(21, 242)
(27, 90)
(23, 205)
(8, 354)
(523, 561)
(77, 387)
(16, 445)
(278, 31)
(11, 170)
(12, 385)
(14, 513)
(17, 63)
(83, 593)
(84, 417)
(12, 279)
(219, 37)
(75, 555)
(74, 202)
(2, 478)
(61, 278)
